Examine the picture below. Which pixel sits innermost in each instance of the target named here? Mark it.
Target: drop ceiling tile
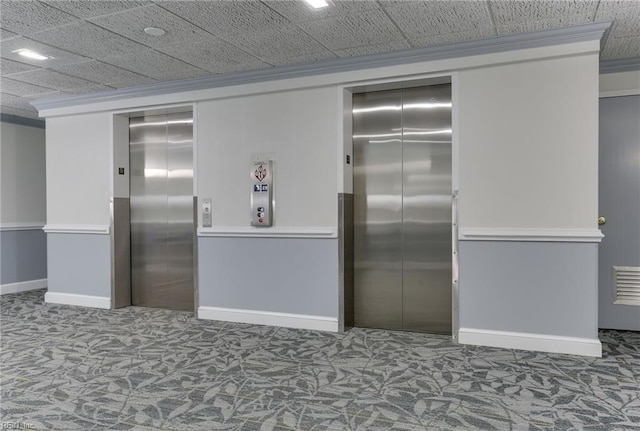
(88, 39)
(286, 41)
(31, 113)
(447, 38)
(366, 28)
(373, 49)
(132, 23)
(14, 101)
(8, 67)
(60, 56)
(546, 24)
(19, 88)
(619, 48)
(28, 17)
(226, 17)
(92, 8)
(95, 88)
(506, 13)
(6, 34)
(298, 11)
(614, 4)
(53, 79)
(421, 19)
(301, 59)
(156, 65)
(626, 20)
(103, 73)
(217, 57)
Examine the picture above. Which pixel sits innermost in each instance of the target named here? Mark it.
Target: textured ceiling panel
(31, 113)
(88, 39)
(366, 28)
(614, 4)
(28, 17)
(508, 12)
(52, 79)
(299, 59)
(421, 19)
(7, 67)
(19, 88)
(226, 17)
(59, 56)
(545, 24)
(93, 8)
(373, 49)
(621, 47)
(218, 57)
(297, 11)
(283, 42)
(156, 65)
(443, 39)
(15, 102)
(131, 24)
(103, 73)
(626, 20)
(95, 88)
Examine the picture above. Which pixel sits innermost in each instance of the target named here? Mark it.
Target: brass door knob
(601, 220)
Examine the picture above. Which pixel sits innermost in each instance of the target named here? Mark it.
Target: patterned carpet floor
(74, 368)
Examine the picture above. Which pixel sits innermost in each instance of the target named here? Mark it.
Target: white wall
(79, 159)
(22, 179)
(298, 127)
(529, 145)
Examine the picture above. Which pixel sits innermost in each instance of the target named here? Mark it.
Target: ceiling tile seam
(4, 90)
(65, 74)
(298, 26)
(208, 32)
(96, 16)
(395, 24)
(595, 11)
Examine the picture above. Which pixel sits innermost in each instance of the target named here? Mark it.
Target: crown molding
(617, 66)
(560, 36)
(22, 121)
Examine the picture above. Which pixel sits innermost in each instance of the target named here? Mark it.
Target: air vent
(626, 282)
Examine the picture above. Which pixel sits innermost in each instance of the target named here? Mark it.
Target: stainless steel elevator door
(162, 221)
(402, 209)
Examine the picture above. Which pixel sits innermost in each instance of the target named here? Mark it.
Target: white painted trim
(268, 232)
(619, 93)
(287, 320)
(537, 235)
(83, 228)
(81, 300)
(23, 286)
(20, 226)
(535, 342)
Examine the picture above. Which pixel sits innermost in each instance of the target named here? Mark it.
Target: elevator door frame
(121, 293)
(345, 174)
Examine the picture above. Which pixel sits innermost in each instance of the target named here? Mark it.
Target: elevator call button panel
(262, 193)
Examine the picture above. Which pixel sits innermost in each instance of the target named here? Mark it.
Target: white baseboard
(536, 342)
(298, 321)
(23, 286)
(73, 299)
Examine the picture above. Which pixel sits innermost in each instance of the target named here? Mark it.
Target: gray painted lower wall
(548, 288)
(284, 275)
(23, 255)
(79, 264)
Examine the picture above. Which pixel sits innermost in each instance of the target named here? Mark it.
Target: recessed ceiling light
(154, 31)
(31, 54)
(317, 4)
